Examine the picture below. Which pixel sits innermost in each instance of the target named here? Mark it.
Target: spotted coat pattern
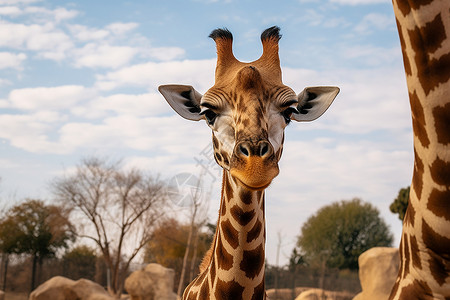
(424, 27)
(247, 110)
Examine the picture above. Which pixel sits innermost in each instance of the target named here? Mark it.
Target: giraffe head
(248, 109)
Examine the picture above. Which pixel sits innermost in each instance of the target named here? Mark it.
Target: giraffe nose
(246, 149)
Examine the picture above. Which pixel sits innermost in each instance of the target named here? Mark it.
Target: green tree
(400, 203)
(338, 233)
(36, 229)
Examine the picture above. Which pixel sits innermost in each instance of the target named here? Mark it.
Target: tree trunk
(194, 256)
(185, 258)
(5, 260)
(33, 272)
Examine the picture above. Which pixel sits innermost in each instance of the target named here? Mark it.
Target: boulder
(284, 294)
(319, 294)
(378, 268)
(154, 282)
(62, 288)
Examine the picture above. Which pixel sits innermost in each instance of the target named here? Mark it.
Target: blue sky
(79, 78)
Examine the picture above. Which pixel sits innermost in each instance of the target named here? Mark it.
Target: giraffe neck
(425, 246)
(236, 267)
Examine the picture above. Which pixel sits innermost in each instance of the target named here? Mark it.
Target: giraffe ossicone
(247, 109)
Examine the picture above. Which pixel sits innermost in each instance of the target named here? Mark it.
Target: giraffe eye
(209, 115)
(287, 114)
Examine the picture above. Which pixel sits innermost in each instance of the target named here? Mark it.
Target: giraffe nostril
(246, 149)
(243, 148)
(263, 148)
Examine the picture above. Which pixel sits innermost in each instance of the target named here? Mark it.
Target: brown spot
(241, 216)
(415, 253)
(230, 290)
(439, 267)
(230, 234)
(190, 294)
(406, 63)
(225, 158)
(440, 172)
(204, 290)
(441, 117)
(438, 203)
(224, 259)
(415, 290)
(254, 232)
(212, 272)
(259, 291)
(434, 241)
(407, 257)
(418, 120)
(246, 196)
(424, 41)
(410, 215)
(252, 262)
(218, 157)
(433, 34)
(404, 7)
(228, 190)
(215, 142)
(417, 179)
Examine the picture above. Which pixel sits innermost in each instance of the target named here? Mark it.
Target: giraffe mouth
(255, 173)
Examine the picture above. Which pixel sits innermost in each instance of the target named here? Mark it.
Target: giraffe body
(247, 109)
(424, 30)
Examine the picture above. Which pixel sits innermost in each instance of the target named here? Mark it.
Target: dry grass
(16, 296)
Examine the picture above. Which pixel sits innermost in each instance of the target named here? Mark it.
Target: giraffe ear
(313, 102)
(184, 99)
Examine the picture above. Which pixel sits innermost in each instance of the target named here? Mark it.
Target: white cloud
(95, 55)
(359, 2)
(48, 98)
(46, 39)
(119, 28)
(165, 53)
(10, 2)
(10, 11)
(198, 73)
(4, 82)
(370, 55)
(29, 131)
(173, 135)
(374, 21)
(11, 60)
(43, 14)
(84, 33)
(142, 105)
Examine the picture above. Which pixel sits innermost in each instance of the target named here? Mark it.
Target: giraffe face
(247, 118)
(248, 109)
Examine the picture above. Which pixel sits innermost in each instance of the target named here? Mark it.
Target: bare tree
(118, 210)
(198, 215)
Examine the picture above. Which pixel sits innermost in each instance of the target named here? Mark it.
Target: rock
(62, 288)
(284, 294)
(319, 294)
(54, 288)
(378, 268)
(154, 282)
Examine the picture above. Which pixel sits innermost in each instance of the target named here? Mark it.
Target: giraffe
(247, 110)
(424, 31)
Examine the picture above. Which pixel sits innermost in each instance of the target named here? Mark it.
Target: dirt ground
(16, 296)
